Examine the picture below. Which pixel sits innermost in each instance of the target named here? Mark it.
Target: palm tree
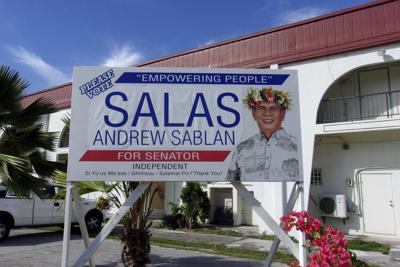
(135, 235)
(22, 139)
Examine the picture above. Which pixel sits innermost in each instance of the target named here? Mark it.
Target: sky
(44, 39)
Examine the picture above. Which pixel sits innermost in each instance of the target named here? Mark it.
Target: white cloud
(211, 41)
(122, 56)
(300, 14)
(48, 72)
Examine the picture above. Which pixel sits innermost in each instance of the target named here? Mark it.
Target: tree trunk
(135, 236)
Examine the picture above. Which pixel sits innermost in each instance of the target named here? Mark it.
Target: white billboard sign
(184, 124)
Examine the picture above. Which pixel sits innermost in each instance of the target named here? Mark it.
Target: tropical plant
(176, 219)
(84, 187)
(135, 236)
(22, 137)
(195, 204)
(103, 203)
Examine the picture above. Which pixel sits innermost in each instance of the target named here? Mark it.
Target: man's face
(269, 117)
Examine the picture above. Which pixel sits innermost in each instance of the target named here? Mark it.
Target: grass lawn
(215, 249)
(216, 231)
(267, 237)
(354, 244)
(357, 244)
(50, 228)
(220, 250)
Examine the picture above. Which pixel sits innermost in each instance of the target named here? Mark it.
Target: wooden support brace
(111, 224)
(264, 215)
(82, 224)
(294, 195)
(67, 226)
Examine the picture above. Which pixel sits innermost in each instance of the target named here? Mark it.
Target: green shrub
(176, 219)
(195, 204)
(195, 207)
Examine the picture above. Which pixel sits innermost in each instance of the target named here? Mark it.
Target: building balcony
(376, 106)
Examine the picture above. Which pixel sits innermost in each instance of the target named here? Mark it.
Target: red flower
(269, 95)
(251, 103)
(329, 243)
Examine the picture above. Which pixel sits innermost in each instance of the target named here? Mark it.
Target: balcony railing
(364, 107)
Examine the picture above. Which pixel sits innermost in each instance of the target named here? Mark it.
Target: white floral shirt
(262, 159)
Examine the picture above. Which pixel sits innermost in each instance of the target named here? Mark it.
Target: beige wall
(158, 200)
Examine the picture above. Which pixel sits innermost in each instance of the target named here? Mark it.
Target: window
(316, 176)
(49, 192)
(3, 191)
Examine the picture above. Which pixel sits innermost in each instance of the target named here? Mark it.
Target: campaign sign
(184, 124)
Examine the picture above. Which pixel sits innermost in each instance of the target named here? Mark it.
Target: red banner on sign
(156, 155)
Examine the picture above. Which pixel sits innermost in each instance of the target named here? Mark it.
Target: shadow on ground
(200, 261)
(24, 238)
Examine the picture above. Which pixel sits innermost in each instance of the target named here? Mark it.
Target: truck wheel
(93, 221)
(4, 229)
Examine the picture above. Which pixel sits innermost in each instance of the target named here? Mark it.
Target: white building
(348, 65)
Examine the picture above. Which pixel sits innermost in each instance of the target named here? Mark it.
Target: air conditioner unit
(333, 206)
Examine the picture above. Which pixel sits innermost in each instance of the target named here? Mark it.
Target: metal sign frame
(73, 199)
(95, 88)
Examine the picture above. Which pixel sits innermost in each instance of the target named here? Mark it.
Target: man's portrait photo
(272, 154)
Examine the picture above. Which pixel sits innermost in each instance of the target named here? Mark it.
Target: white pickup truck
(33, 211)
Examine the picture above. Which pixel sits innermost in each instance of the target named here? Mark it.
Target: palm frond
(22, 137)
(66, 119)
(84, 187)
(43, 167)
(24, 140)
(32, 113)
(16, 175)
(11, 87)
(6, 160)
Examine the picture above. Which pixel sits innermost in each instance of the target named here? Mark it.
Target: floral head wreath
(256, 96)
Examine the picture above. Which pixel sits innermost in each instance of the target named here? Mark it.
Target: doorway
(247, 212)
(378, 203)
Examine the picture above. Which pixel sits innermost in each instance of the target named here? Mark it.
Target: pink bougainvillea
(327, 245)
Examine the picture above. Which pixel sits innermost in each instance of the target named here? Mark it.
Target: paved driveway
(38, 248)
